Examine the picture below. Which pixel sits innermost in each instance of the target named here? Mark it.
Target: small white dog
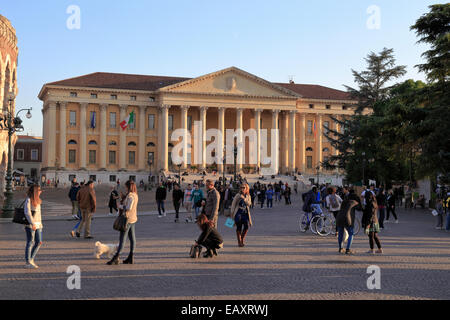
(108, 249)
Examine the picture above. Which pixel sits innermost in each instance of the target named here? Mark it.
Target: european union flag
(93, 120)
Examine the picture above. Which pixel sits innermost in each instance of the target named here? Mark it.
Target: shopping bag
(229, 223)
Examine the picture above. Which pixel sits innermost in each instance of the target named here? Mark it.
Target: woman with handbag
(32, 211)
(370, 222)
(240, 213)
(129, 211)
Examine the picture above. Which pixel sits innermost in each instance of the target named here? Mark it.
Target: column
(62, 134)
(220, 145)
(240, 141)
(122, 140)
(319, 152)
(44, 137)
(83, 141)
(52, 135)
(292, 115)
(284, 150)
(258, 136)
(303, 142)
(203, 111)
(184, 126)
(165, 136)
(142, 140)
(275, 138)
(103, 108)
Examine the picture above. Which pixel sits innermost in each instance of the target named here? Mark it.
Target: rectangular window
(310, 128)
(328, 107)
(34, 154)
(92, 157)
(93, 177)
(33, 172)
(72, 156)
(152, 99)
(131, 157)
(170, 122)
(112, 120)
(93, 96)
(20, 154)
(73, 118)
(151, 121)
(326, 125)
(112, 157)
(311, 106)
(133, 98)
(189, 122)
(112, 178)
(151, 157)
(309, 162)
(73, 94)
(114, 96)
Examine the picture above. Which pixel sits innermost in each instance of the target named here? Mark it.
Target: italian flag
(130, 119)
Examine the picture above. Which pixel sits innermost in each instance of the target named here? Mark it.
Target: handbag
(19, 214)
(195, 251)
(434, 213)
(120, 224)
(229, 223)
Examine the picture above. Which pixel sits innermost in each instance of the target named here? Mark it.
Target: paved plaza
(278, 262)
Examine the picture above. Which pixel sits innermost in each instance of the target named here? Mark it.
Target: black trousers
(177, 208)
(389, 210)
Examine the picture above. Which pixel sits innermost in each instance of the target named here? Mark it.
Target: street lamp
(223, 164)
(12, 124)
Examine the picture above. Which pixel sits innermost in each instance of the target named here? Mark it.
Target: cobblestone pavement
(277, 262)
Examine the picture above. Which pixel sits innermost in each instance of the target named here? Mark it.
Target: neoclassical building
(83, 136)
(9, 53)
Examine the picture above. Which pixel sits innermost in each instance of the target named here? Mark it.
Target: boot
(114, 260)
(239, 238)
(243, 237)
(129, 260)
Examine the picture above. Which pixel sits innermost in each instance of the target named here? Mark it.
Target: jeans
(131, 233)
(32, 237)
(318, 208)
(269, 203)
(197, 211)
(447, 224)
(79, 221)
(160, 206)
(381, 212)
(341, 236)
(75, 208)
(177, 205)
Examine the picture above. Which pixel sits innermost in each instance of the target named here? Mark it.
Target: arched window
(309, 149)
(72, 142)
(112, 143)
(151, 144)
(326, 150)
(132, 144)
(93, 142)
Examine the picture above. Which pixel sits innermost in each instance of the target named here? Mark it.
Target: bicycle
(327, 223)
(308, 220)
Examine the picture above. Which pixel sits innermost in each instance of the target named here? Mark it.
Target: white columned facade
(122, 140)
(203, 111)
(303, 142)
(220, 154)
(165, 136)
(184, 126)
(284, 149)
(319, 153)
(258, 136)
(142, 139)
(62, 134)
(52, 136)
(83, 148)
(275, 140)
(240, 139)
(292, 116)
(103, 108)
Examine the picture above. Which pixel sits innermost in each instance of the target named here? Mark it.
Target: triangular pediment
(231, 81)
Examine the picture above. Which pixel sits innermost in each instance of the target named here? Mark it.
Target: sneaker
(379, 251)
(110, 214)
(78, 234)
(396, 221)
(350, 252)
(33, 264)
(72, 233)
(160, 216)
(371, 252)
(164, 214)
(341, 250)
(29, 266)
(176, 220)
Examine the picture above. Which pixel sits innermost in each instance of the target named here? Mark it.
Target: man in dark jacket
(88, 203)
(73, 198)
(177, 198)
(161, 194)
(345, 220)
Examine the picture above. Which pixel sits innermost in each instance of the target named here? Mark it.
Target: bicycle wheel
(356, 227)
(303, 223)
(312, 224)
(324, 226)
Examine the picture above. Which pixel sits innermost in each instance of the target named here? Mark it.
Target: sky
(314, 42)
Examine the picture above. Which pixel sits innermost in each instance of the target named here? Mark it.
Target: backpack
(333, 201)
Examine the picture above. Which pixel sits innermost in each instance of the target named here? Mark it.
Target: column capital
(221, 109)
(165, 106)
(203, 108)
(258, 110)
(51, 104)
(62, 104)
(240, 110)
(185, 107)
(123, 107)
(83, 105)
(275, 111)
(142, 107)
(293, 112)
(103, 107)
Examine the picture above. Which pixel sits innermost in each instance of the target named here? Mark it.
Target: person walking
(240, 213)
(73, 199)
(345, 220)
(196, 199)
(112, 204)
(440, 215)
(277, 190)
(210, 238)
(75, 187)
(381, 201)
(130, 210)
(188, 203)
(269, 196)
(262, 195)
(333, 203)
(88, 201)
(390, 206)
(287, 194)
(177, 198)
(370, 222)
(32, 211)
(161, 195)
(212, 202)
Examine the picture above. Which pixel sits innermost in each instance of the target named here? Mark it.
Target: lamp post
(179, 174)
(318, 168)
(223, 164)
(235, 152)
(12, 124)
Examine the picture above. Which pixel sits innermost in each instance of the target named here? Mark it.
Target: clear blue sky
(317, 42)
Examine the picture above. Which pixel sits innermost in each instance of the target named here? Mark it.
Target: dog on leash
(108, 249)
